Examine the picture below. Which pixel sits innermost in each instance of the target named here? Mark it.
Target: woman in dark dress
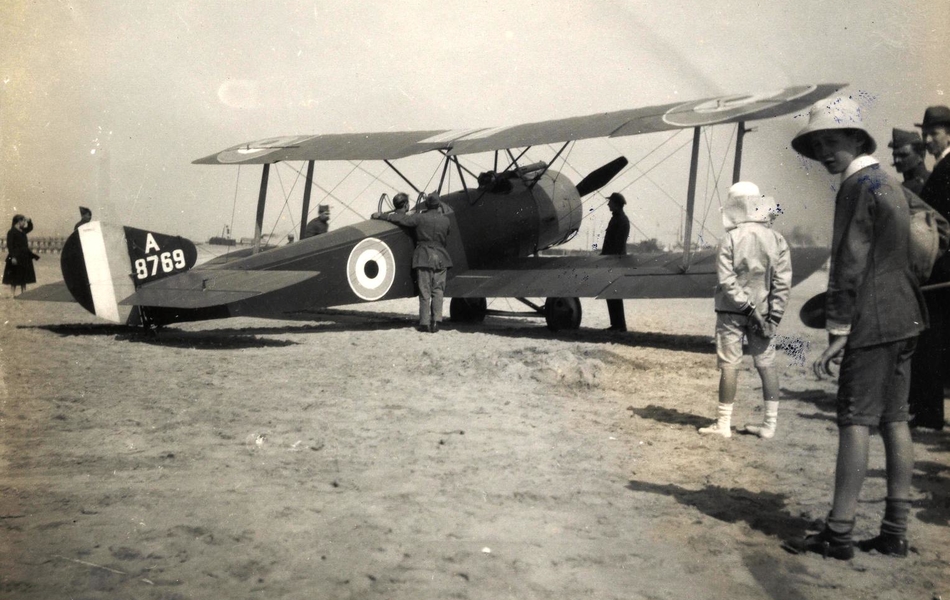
(18, 270)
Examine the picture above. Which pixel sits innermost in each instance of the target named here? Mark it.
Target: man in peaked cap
(615, 243)
(927, 395)
(908, 151)
(319, 225)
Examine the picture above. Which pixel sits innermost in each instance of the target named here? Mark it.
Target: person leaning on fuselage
(430, 260)
(401, 203)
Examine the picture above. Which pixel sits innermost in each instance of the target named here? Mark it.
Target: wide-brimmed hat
(935, 115)
(901, 138)
(323, 209)
(841, 113)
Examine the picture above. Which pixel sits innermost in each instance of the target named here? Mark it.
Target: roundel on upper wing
(260, 148)
(717, 110)
(370, 269)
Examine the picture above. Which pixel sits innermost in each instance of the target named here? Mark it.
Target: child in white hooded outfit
(755, 276)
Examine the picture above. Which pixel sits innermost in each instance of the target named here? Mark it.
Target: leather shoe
(433, 327)
(886, 544)
(821, 543)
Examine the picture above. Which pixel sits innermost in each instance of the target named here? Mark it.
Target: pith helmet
(841, 113)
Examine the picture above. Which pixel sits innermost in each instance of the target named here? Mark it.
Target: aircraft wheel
(467, 310)
(562, 313)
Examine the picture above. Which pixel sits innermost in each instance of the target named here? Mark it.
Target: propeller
(601, 176)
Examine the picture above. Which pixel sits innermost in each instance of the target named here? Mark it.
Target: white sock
(723, 422)
(767, 429)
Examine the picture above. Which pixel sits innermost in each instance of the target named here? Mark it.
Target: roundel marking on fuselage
(370, 269)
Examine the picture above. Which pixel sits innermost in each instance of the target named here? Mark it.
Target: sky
(106, 104)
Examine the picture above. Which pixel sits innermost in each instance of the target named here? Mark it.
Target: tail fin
(104, 264)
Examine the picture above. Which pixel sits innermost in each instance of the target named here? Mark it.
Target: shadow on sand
(762, 511)
(343, 320)
(670, 416)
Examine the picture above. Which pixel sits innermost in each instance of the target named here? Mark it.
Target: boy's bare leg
(850, 469)
(899, 453)
(728, 382)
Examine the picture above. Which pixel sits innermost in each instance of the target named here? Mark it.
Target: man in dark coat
(615, 243)
(320, 225)
(18, 270)
(908, 152)
(933, 350)
(430, 260)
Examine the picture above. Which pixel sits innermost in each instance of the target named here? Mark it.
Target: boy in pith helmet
(874, 313)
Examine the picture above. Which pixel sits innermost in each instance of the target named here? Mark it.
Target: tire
(562, 313)
(467, 310)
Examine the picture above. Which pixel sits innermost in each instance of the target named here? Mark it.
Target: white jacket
(754, 264)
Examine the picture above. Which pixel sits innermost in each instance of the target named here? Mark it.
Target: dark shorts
(874, 382)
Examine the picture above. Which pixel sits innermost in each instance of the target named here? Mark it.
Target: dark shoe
(887, 544)
(423, 328)
(616, 328)
(821, 543)
(433, 327)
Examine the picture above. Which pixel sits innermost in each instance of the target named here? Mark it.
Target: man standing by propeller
(615, 243)
(430, 260)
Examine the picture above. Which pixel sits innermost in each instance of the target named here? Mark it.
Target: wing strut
(305, 212)
(691, 201)
(740, 133)
(261, 200)
(403, 177)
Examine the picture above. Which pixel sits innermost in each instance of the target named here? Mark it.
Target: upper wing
(392, 145)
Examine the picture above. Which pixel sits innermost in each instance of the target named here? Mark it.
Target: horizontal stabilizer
(51, 292)
(213, 287)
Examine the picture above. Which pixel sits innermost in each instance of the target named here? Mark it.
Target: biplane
(501, 221)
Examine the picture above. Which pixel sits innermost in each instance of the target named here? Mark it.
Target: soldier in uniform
(908, 152)
(319, 225)
(430, 260)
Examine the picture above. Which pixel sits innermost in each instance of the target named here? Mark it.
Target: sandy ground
(353, 457)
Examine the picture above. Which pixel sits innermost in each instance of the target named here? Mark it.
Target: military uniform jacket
(873, 297)
(432, 229)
